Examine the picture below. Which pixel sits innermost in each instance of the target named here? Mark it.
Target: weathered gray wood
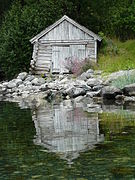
(66, 31)
(62, 41)
(62, 26)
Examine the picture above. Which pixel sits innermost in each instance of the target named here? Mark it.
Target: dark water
(63, 142)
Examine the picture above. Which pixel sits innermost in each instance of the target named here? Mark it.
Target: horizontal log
(45, 52)
(43, 66)
(44, 48)
(44, 56)
(41, 69)
(42, 72)
(92, 45)
(79, 41)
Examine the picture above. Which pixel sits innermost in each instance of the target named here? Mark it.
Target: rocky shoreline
(91, 86)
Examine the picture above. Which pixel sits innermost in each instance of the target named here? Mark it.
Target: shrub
(122, 81)
(88, 64)
(20, 24)
(108, 46)
(77, 66)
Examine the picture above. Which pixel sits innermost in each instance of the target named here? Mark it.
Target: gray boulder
(30, 78)
(94, 82)
(74, 92)
(120, 97)
(93, 94)
(110, 92)
(83, 77)
(129, 90)
(129, 99)
(38, 81)
(98, 87)
(22, 76)
(93, 108)
(14, 83)
(86, 75)
(2, 89)
(44, 87)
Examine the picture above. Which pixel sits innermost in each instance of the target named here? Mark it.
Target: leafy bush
(74, 65)
(88, 64)
(77, 66)
(122, 81)
(108, 46)
(20, 24)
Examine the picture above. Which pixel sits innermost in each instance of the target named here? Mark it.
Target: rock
(67, 97)
(2, 89)
(53, 86)
(61, 76)
(83, 77)
(97, 88)
(79, 98)
(94, 82)
(120, 97)
(93, 94)
(110, 92)
(44, 87)
(81, 84)
(38, 81)
(27, 83)
(86, 75)
(97, 72)
(98, 100)
(5, 84)
(65, 80)
(14, 83)
(74, 92)
(129, 90)
(93, 108)
(129, 99)
(22, 76)
(90, 71)
(116, 75)
(30, 78)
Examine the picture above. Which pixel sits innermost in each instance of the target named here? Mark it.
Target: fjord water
(58, 141)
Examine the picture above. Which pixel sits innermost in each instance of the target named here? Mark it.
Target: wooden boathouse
(63, 40)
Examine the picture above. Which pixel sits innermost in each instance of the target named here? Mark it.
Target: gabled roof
(42, 33)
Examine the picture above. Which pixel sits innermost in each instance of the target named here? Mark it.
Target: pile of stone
(90, 85)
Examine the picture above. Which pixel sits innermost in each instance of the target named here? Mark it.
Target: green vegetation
(122, 81)
(117, 56)
(26, 18)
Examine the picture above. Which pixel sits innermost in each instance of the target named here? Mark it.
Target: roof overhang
(84, 29)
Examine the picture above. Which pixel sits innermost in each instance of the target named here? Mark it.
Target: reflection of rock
(66, 130)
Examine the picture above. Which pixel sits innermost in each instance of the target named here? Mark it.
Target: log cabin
(64, 40)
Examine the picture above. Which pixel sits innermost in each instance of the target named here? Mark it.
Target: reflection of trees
(66, 130)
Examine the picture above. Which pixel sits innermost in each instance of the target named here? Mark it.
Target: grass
(123, 60)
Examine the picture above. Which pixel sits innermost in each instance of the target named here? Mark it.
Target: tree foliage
(26, 18)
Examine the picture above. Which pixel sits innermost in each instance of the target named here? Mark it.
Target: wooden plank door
(78, 52)
(55, 59)
(59, 56)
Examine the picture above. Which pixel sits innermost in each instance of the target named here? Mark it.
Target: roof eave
(42, 33)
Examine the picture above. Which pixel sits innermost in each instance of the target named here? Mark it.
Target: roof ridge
(65, 17)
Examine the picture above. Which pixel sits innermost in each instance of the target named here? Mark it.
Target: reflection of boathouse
(66, 130)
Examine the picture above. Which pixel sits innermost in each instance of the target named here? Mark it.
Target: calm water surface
(61, 141)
